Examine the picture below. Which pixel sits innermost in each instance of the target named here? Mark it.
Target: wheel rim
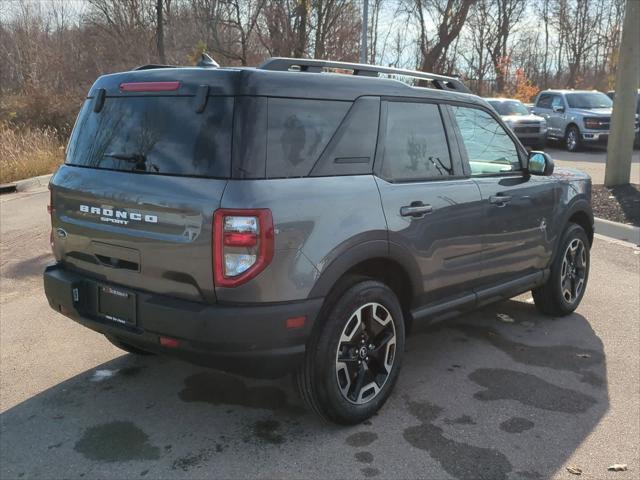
(366, 353)
(572, 139)
(574, 271)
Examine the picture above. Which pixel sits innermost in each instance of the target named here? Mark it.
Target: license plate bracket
(117, 305)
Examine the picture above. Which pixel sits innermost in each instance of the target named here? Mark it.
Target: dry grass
(27, 152)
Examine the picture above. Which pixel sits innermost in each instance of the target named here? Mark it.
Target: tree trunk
(160, 32)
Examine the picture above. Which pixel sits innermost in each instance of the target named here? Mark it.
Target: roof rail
(317, 66)
(151, 66)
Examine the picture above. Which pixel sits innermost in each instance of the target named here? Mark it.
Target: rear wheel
(572, 139)
(565, 287)
(127, 347)
(354, 356)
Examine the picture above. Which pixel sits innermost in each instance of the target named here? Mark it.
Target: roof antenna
(207, 62)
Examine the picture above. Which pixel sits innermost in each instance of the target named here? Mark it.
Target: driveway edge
(619, 231)
(26, 184)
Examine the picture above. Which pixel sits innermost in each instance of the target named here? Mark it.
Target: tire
(329, 378)
(572, 140)
(127, 347)
(565, 287)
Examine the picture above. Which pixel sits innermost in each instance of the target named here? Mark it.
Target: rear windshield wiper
(138, 159)
(127, 157)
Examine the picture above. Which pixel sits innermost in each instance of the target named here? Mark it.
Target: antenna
(207, 62)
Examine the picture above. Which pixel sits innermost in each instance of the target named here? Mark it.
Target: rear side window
(489, 148)
(297, 133)
(156, 135)
(415, 144)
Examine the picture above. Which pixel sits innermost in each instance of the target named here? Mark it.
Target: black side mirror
(558, 109)
(540, 164)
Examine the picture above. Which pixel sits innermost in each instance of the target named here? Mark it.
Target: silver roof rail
(317, 66)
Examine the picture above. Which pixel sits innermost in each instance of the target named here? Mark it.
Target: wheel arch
(378, 260)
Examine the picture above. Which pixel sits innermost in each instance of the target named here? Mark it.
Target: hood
(522, 118)
(568, 174)
(592, 112)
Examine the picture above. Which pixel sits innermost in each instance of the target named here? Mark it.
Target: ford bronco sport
(287, 218)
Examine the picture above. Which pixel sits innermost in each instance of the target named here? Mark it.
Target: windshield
(509, 107)
(158, 135)
(588, 100)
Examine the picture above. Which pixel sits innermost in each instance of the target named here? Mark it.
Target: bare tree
(449, 17)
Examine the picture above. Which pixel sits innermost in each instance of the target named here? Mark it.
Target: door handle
(416, 209)
(499, 200)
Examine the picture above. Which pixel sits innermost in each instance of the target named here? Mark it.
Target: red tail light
(243, 244)
(150, 86)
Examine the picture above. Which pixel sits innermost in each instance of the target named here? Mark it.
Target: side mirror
(558, 109)
(540, 164)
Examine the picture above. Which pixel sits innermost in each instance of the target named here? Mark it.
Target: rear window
(156, 135)
(298, 132)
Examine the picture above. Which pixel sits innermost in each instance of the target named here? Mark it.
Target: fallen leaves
(618, 467)
(503, 317)
(572, 469)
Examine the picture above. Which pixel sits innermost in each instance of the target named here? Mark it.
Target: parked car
(530, 129)
(576, 117)
(611, 94)
(287, 219)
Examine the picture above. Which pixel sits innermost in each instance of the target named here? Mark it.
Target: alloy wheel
(366, 353)
(573, 271)
(572, 140)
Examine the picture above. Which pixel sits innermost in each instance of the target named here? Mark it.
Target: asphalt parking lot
(590, 160)
(478, 398)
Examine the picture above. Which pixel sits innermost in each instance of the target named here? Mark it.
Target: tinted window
(545, 101)
(158, 135)
(488, 146)
(297, 133)
(509, 107)
(589, 100)
(415, 145)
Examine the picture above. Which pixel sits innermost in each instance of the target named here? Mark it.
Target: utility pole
(365, 21)
(620, 145)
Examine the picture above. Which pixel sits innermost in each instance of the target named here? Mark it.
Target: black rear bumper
(249, 339)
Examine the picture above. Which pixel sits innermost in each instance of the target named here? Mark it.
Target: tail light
(243, 244)
(50, 212)
(150, 86)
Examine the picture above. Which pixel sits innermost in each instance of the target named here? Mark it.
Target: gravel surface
(478, 397)
(618, 204)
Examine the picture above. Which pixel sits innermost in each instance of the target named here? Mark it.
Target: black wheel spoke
(362, 366)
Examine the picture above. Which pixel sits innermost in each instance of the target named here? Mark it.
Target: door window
(557, 101)
(415, 145)
(545, 101)
(489, 148)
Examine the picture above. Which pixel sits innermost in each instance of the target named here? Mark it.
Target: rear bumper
(250, 340)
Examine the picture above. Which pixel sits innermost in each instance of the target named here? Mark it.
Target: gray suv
(576, 117)
(289, 219)
(529, 128)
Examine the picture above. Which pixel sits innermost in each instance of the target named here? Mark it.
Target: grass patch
(27, 152)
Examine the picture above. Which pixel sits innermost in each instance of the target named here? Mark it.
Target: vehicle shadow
(479, 397)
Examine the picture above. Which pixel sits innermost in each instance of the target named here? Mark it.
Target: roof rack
(317, 66)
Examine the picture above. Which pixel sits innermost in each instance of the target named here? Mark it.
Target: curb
(619, 231)
(26, 184)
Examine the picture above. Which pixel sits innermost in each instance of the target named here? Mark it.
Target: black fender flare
(361, 252)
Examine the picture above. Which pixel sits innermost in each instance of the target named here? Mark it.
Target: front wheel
(572, 139)
(354, 355)
(565, 287)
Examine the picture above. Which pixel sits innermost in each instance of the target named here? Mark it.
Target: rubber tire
(126, 347)
(316, 379)
(578, 142)
(548, 298)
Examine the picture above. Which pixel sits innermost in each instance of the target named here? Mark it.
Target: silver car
(577, 117)
(530, 129)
